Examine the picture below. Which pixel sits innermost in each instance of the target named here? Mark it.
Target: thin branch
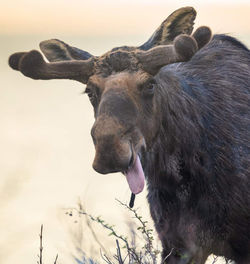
(215, 259)
(144, 230)
(41, 246)
(119, 252)
(94, 234)
(104, 257)
(167, 255)
(131, 251)
(56, 259)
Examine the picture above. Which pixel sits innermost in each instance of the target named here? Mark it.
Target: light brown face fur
(125, 114)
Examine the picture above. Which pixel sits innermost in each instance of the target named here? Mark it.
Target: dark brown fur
(198, 169)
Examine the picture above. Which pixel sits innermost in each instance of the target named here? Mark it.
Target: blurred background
(46, 149)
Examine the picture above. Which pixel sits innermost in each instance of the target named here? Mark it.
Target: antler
(32, 65)
(183, 49)
(181, 21)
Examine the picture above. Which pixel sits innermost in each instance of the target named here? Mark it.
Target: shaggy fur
(198, 169)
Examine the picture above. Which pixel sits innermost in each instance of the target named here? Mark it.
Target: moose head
(122, 88)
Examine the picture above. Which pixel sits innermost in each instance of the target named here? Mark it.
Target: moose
(173, 111)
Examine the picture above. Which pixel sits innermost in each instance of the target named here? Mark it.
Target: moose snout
(113, 151)
(112, 155)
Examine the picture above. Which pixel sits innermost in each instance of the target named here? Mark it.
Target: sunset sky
(114, 17)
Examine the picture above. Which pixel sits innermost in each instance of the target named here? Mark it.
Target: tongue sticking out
(135, 177)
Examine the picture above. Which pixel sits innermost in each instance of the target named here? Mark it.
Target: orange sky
(120, 17)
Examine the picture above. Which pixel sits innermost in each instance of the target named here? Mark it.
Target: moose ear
(56, 50)
(179, 22)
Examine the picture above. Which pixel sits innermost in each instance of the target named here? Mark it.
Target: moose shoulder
(175, 111)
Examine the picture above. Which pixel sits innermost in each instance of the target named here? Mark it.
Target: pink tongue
(135, 177)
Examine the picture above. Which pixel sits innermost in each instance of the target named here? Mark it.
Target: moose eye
(149, 88)
(89, 92)
(92, 95)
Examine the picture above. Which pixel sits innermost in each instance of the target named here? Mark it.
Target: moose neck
(174, 156)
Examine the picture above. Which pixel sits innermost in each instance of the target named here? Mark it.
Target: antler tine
(202, 36)
(32, 65)
(14, 60)
(183, 48)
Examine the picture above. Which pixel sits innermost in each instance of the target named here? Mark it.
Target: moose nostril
(99, 168)
(112, 156)
(131, 161)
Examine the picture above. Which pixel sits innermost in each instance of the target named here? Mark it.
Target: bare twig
(131, 251)
(167, 256)
(105, 258)
(143, 228)
(215, 259)
(94, 234)
(41, 246)
(56, 259)
(119, 252)
(40, 255)
(145, 231)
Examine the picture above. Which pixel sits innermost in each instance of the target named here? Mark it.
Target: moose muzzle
(113, 149)
(115, 152)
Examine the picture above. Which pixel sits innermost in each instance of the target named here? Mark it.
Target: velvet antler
(183, 49)
(32, 65)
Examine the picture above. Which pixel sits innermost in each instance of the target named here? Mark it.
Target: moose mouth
(135, 175)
